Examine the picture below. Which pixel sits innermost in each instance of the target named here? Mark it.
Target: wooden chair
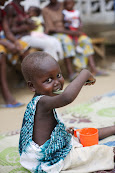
(99, 46)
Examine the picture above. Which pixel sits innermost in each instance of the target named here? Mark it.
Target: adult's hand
(11, 47)
(18, 47)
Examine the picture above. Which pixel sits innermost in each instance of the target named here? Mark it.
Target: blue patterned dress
(48, 157)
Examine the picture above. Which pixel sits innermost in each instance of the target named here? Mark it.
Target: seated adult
(21, 27)
(54, 25)
(4, 47)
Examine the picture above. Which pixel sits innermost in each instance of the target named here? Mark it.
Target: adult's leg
(44, 43)
(92, 64)
(57, 47)
(106, 132)
(88, 52)
(85, 52)
(69, 52)
(8, 98)
(49, 47)
(68, 65)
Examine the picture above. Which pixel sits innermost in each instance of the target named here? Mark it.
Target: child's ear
(31, 86)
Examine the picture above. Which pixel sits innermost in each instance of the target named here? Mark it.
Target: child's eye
(49, 80)
(59, 75)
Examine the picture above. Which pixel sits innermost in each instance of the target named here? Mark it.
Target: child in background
(72, 21)
(35, 15)
(45, 145)
(83, 43)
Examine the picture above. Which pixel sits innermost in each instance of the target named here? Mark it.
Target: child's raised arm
(70, 92)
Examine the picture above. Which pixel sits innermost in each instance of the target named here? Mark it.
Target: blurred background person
(6, 46)
(54, 25)
(21, 26)
(83, 44)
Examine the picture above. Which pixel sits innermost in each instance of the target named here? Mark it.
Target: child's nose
(56, 83)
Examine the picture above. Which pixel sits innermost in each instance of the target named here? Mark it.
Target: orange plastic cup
(87, 136)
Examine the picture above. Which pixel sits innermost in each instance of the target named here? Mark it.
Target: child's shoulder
(34, 101)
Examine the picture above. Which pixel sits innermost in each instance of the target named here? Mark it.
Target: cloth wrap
(51, 153)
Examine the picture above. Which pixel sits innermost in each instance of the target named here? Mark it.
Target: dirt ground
(11, 118)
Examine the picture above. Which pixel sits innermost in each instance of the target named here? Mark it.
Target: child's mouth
(58, 91)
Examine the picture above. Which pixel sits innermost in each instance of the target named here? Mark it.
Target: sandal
(101, 73)
(12, 105)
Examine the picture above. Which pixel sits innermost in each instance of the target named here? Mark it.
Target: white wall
(103, 17)
(28, 3)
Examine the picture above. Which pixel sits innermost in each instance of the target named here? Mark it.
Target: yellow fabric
(85, 43)
(24, 44)
(14, 58)
(39, 24)
(3, 49)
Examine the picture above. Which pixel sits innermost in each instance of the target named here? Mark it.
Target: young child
(83, 44)
(35, 15)
(45, 145)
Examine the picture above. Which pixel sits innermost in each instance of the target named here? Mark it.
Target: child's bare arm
(69, 94)
(106, 131)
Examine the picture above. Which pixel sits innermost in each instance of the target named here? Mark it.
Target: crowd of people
(55, 29)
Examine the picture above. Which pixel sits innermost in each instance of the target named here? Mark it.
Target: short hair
(32, 62)
(36, 9)
(65, 1)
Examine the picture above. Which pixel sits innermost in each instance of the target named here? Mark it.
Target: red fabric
(75, 37)
(18, 10)
(2, 14)
(71, 10)
(21, 15)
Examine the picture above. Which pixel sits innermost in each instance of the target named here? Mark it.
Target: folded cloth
(88, 159)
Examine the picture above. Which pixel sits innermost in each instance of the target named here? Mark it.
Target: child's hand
(90, 81)
(70, 130)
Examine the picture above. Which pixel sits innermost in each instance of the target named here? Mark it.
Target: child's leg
(93, 158)
(106, 132)
(3, 81)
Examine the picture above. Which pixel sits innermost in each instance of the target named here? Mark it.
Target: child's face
(3, 2)
(69, 4)
(31, 12)
(48, 80)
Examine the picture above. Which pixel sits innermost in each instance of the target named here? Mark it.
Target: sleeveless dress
(48, 157)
